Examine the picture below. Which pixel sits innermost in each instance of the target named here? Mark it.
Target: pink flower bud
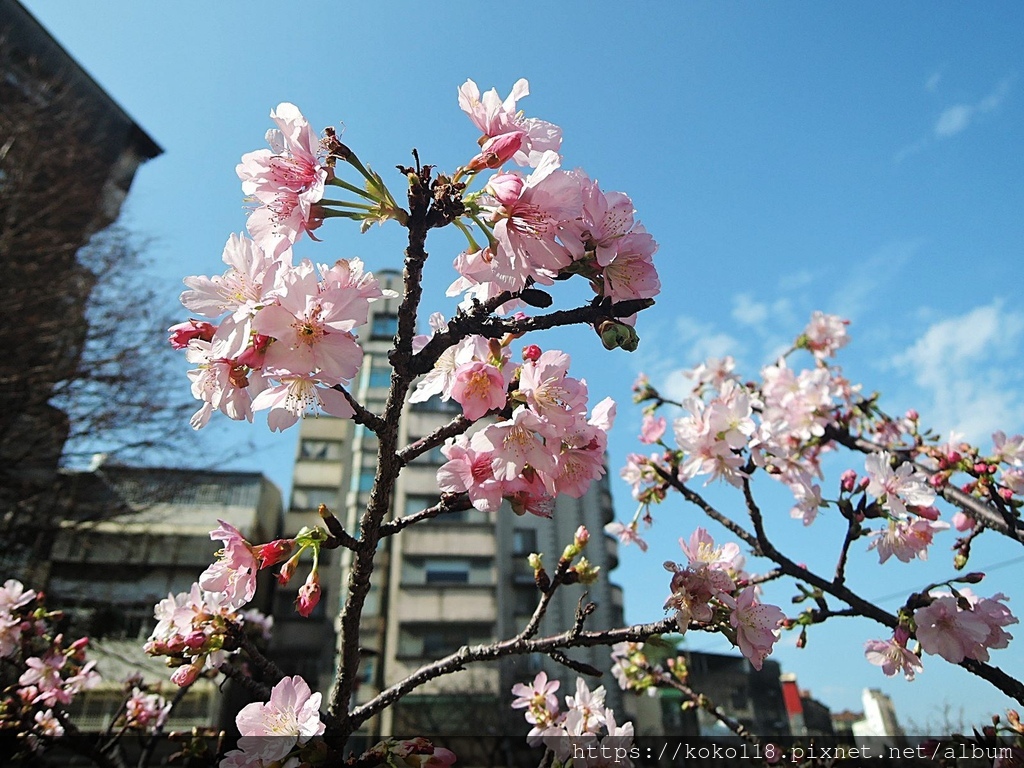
(176, 644)
(913, 415)
(1006, 493)
(196, 640)
(531, 352)
(937, 480)
(506, 187)
(185, 675)
(497, 150)
(901, 635)
(79, 644)
(254, 355)
(273, 552)
(582, 536)
(864, 483)
(928, 513)
(182, 333)
(953, 457)
(309, 595)
(848, 480)
(286, 572)
(972, 578)
(981, 468)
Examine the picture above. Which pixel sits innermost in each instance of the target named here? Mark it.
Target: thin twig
(456, 426)
(445, 505)
(514, 647)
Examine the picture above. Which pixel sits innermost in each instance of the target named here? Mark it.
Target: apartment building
(461, 578)
(134, 535)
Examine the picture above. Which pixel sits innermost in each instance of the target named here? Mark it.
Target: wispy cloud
(957, 118)
(690, 342)
(932, 83)
(960, 364)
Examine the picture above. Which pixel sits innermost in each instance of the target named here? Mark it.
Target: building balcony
(448, 541)
(446, 604)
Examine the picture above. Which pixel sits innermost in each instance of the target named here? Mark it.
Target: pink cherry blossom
(906, 539)
(291, 717)
(652, 428)
(899, 488)
(526, 214)
(495, 118)
(1008, 449)
(478, 388)
(297, 396)
(825, 334)
(756, 625)
(945, 630)
(538, 697)
(234, 572)
(287, 180)
(893, 656)
(626, 534)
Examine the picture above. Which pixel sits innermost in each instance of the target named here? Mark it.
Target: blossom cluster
(286, 343)
(586, 722)
(783, 425)
(705, 591)
(42, 672)
(196, 630)
(546, 446)
(549, 223)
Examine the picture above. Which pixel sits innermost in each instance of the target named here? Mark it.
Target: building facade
(68, 155)
(460, 578)
(136, 535)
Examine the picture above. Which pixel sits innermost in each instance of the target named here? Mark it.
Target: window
(320, 450)
(414, 504)
(433, 457)
(437, 405)
(364, 483)
(380, 375)
(384, 326)
(524, 541)
(438, 570)
(310, 498)
(435, 640)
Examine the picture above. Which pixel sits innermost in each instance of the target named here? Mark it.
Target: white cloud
(747, 311)
(953, 120)
(932, 83)
(960, 364)
(957, 118)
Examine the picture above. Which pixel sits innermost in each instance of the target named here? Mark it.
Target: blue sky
(861, 159)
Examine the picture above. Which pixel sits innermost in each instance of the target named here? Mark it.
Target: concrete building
(68, 155)
(136, 535)
(879, 727)
(808, 717)
(454, 580)
(753, 697)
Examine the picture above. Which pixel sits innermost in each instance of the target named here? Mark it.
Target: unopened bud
(586, 571)
(531, 352)
(309, 595)
(286, 572)
(196, 640)
(186, 674)
(535, 561)
(273, 552)
(848, 480)
(959, 560)
(582, 536)
(975, 577)
(618, 335)
(913, 415)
